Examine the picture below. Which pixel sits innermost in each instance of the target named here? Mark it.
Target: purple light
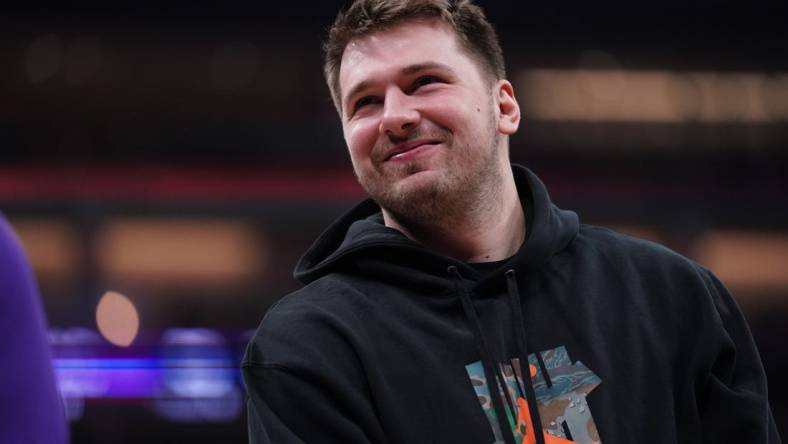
(190, 377)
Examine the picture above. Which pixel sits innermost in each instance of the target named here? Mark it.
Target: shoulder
(332, 296)
(642, 269)
(664, 288)
(608, 240)
(629, 251)
(311, 323)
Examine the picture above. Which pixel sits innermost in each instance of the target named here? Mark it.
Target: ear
(508, 108)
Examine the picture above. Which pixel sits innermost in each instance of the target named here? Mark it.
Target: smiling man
(426, 127)
(458, 304)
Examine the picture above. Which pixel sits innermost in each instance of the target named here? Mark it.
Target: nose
(399, 115)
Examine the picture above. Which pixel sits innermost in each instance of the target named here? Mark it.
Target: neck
(489, 230)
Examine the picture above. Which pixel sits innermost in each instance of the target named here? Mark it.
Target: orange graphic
(524, 421)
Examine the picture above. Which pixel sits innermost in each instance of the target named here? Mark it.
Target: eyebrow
(408, 70)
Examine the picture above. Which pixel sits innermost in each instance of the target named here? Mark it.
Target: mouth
(403, 149)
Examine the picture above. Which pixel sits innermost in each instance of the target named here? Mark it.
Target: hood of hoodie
(359, 241)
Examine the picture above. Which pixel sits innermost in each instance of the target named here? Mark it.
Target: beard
(469, 179)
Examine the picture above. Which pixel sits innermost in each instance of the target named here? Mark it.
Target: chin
(416, 180)
(412, 183)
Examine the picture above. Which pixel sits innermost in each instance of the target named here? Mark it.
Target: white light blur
(200, 366)
(74, 336)
(192, 337)
(745, 259)
(211, 410)
(199, 382)
(615, 95)
(775, 95)
(117, 319)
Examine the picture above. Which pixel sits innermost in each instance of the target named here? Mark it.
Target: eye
(425, 80)
(364, 101)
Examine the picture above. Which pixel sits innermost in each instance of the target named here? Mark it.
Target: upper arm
(288, 408)
(733, 396)
(305, 380)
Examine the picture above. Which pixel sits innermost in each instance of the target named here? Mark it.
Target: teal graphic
(563, 407)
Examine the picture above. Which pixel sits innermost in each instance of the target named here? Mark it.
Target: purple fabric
(31, 410)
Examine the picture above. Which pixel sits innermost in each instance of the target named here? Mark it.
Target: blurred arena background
(165, 166)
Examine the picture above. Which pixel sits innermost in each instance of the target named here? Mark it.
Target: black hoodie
(388, 342)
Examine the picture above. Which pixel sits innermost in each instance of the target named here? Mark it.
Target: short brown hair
(476, 35)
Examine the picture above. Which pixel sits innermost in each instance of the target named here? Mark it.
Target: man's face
(420, 120)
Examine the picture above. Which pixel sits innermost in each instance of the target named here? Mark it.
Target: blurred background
(166, 165)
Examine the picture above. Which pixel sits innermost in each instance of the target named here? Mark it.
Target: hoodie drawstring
(522, 354)
(496, 379)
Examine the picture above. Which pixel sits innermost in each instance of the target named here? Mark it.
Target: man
(423, 304)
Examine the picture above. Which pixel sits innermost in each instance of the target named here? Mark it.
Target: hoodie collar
(360, 240)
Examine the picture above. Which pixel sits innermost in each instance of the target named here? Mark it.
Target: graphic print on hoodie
(561, 397)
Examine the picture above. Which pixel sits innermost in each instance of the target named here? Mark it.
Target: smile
(411, 150)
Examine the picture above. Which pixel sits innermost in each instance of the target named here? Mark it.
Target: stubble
(466, 191)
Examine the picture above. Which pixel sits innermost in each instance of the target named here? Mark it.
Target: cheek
(451, 112)
(361, 136)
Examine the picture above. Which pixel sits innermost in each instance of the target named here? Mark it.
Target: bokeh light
(117, 319)
(596, 93)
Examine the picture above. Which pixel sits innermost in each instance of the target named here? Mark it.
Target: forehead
(388, 51)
